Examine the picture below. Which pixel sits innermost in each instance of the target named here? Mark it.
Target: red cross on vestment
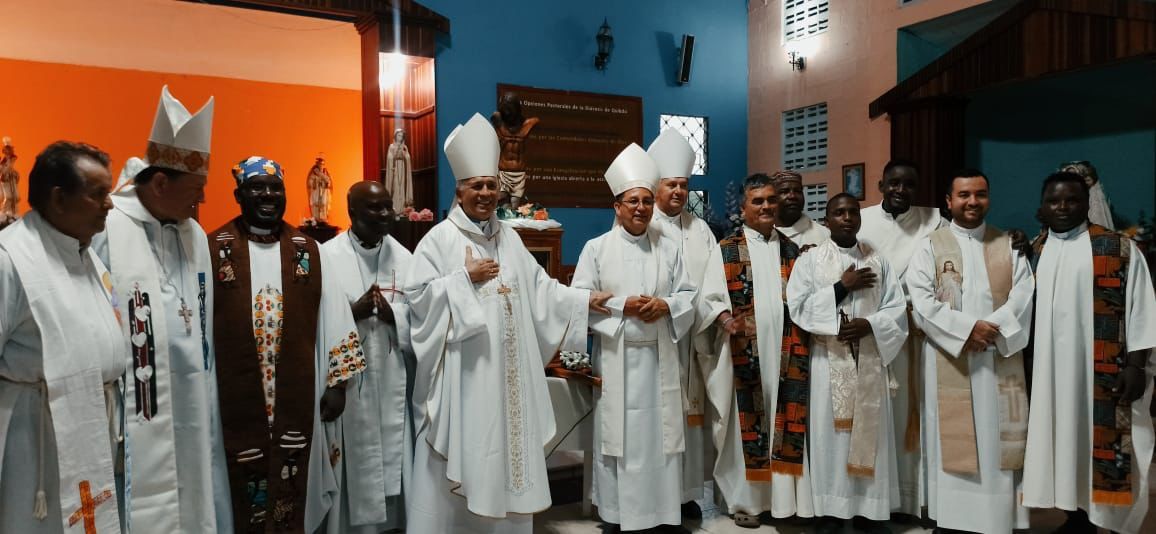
(88, 504)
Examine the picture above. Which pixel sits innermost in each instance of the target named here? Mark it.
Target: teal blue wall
(1018, 134)
(550, 44)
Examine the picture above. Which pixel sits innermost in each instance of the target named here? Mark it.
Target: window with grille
(805, 138)
(694, 129)
(815, 201)
(696, 203)
(804, 18)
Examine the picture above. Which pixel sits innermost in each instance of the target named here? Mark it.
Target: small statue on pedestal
(320, 186)
(9, 184)
(512, 130)
(399, 173)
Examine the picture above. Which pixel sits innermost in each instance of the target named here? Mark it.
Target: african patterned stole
(268, 468)
(958, 449)
(760, 455)
(1111, 422)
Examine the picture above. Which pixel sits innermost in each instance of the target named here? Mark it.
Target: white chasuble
(846, 386)
(953, 499)
(375, 428)
(895, 238)
(699, 248)
(638, 418)
(61, 355)
(785, 495)
(480, 405)
(161, 275)
(805, 232)
(1058, 461)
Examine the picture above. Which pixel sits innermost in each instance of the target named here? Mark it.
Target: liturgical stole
(958, 449)
(1112, 449)
(786, 453)
(268, 467)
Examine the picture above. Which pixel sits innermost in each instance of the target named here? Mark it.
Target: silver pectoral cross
(187, 315)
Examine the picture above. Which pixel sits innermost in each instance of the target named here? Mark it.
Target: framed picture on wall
(853, 180)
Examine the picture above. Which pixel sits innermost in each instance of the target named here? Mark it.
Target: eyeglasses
(634, 202)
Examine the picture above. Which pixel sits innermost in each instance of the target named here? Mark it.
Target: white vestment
(785, 495)
(638, 418)
(805, 231)
(61, 356)
(1058, 466)
(174, 459)
(811, 300)
(376, 427)
(990, 501)
(480, 404)
(895, 238)
(699, 248)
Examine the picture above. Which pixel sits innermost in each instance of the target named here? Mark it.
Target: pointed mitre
(180, 141)
(472, 149)
(632, 168)
(672, 154)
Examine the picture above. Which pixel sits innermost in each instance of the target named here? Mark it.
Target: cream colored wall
(848, 66)
(183, 38)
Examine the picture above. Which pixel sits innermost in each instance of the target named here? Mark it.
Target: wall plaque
(575, 138)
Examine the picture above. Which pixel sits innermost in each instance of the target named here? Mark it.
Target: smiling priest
(286, 348)
(485, 319)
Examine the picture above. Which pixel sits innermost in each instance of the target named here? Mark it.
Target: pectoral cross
(88, 504)
(187, 315)
(1008, 388)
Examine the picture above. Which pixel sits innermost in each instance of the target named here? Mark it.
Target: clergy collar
(459, 218)
(129, 204)
(801, 226)
(759, 236)
(673, 219)
(259, 235)
(1074, 232)
(68, 247)
(629, 236)
(974, 233)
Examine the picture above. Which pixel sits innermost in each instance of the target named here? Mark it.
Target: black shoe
(670, 529)
(690, 510)
(1077, 523)
(868, 526)
(828, 525)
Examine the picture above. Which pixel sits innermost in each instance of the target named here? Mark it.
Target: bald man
(375, 431)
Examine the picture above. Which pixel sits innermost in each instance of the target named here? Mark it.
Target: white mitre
(632, 168)
(473, 149)
(672, 154)
(180, 141)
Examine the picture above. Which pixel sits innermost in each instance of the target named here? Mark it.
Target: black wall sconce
(605, 46)
(796, 60)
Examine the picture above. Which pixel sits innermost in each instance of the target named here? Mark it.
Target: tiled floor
(567, 519)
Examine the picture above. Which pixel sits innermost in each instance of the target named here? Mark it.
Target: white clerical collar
(485, 228)
(629, 236)
(759, 236)
(801, 226)
(70, 248)
(975, 233)
(675, 219)
(1074, 232)
(361, 249)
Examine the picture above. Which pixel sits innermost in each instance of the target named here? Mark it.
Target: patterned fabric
(1111, 422)
(785, 176)
(345, 360)
(177, 159)
(785, 453)
(256, 166)
(268, 317)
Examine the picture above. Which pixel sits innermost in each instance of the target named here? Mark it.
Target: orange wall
(114, 109)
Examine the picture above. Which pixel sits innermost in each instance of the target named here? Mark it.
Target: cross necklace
(185, 312)
(503, 289)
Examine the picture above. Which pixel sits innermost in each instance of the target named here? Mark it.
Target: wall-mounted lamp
(605, 46)
(796, 60)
